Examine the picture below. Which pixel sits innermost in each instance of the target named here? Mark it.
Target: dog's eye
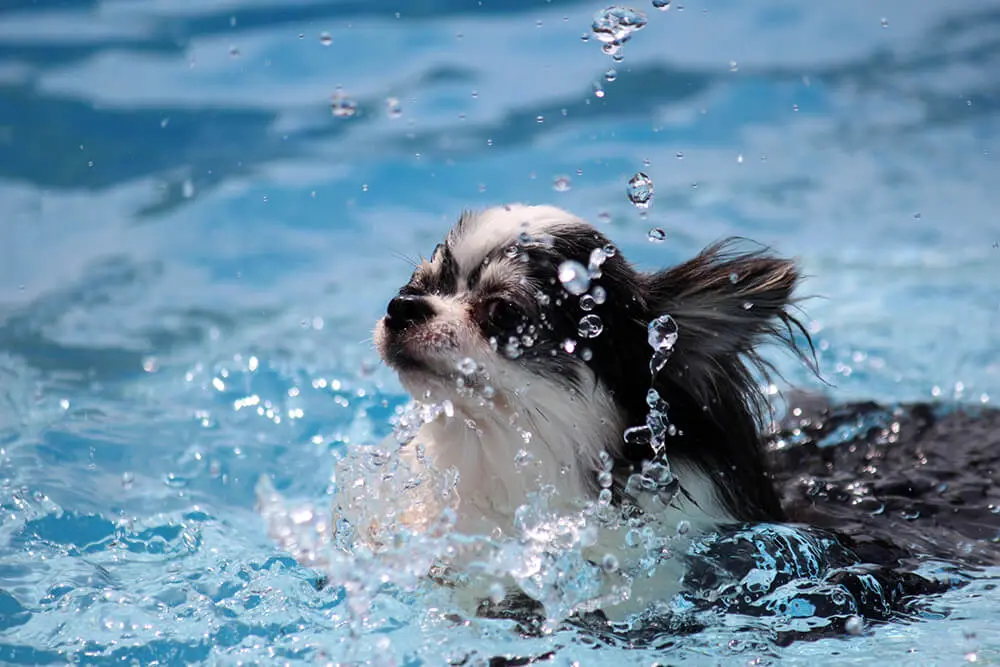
(502, 314)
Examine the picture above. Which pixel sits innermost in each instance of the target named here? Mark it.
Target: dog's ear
(724, 302)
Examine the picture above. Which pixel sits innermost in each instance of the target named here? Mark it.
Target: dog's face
(497, 307)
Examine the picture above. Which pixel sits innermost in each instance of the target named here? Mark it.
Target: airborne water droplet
(662, 334)
(640, 190)
(615, 24)
(325, 39)
(574, 277)
(562, 184)
(591, 326)
(393, 108)
(662, 5)
(657, 235)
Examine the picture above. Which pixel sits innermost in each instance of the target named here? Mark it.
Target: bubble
(854, 625)
(591, 326)
(562, 184)
(615, 24)
(604, 497)
(604, 479)
(342, 106)
(325, 39)
(656, 235)
(467, 366)
(640, 190)
(393, 108)
(662, 334)
(662, 5)
(609, 563)
(574, 277)
(587, 302)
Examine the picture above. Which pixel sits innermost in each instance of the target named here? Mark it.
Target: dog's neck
(502, 455)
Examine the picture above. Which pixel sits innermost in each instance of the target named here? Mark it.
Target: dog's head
(532, 298)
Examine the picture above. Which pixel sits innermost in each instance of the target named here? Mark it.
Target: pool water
(207, 203)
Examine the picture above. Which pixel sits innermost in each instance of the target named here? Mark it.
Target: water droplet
(604, 497)
(234, 51)
(854, 625)
(497, 593)
(598, 91)
(596, 261)
(187, 189)
(747, 305)
(569, 345)
(610, 75)
(587, 302)
(604, 217)
(342, 106)
(604, 479)
(683, 527)
(599, 294)
(739, 159)
(615, 24)
(574, 277)
(657, 235)
(586, 353)
(680, 155)
(609, 563)
(325, 39)
(590, 326)
(884, 22)
(467, 366)
(662, 334)
(640, 190)
(585, 37)
(662, 5)
(562, 184)
(393, 108)
(734, 66)
(127, 479)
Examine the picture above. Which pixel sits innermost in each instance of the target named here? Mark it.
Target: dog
(545, 344)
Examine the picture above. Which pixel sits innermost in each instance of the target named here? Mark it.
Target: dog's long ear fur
(725, 303)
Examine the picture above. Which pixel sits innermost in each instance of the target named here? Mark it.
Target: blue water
(186, 225)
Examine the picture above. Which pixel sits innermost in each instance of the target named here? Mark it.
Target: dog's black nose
(406, 310)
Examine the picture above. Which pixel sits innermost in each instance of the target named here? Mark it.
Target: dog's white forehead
(478, 234)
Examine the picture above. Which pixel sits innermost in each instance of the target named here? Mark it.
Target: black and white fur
(490, 293)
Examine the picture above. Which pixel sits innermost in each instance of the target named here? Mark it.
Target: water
(205, 206)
